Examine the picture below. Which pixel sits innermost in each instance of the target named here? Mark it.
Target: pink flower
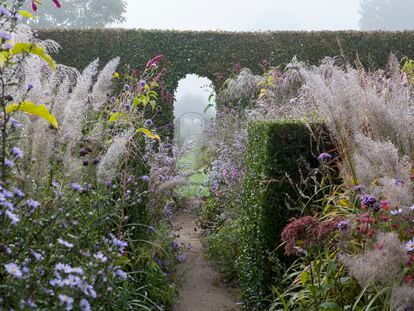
(154, 61)
(57, 3)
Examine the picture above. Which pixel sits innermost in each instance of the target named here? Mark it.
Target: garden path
(201, 289)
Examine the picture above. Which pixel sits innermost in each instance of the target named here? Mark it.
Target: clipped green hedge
(274, 151)
(206, 53)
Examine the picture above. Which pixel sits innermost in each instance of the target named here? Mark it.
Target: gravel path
(201, 289)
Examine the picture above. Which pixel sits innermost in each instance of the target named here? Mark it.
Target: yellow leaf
(31, 108)
(20, 48)
(26, 14)
(148, 133)
(117, 116)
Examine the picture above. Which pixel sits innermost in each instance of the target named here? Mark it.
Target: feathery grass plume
(109, 163)
(381, 264)
(100, 90)
(241, 90)
(75, 110)
(43, 139)
(402, 298)
(358, 102)
(377, 159)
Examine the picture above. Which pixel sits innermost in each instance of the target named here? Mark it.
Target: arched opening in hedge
(194, 107)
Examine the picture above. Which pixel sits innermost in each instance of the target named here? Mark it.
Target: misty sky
(243, 15)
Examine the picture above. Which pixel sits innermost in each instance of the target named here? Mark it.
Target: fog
(243, 15)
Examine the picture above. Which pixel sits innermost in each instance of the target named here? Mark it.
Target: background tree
(386, 14)
(81, 14)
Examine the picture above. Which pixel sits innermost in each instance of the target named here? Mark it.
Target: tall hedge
(274, 153)
(206, 53)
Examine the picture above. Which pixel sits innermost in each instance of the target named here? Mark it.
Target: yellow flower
(116, 75)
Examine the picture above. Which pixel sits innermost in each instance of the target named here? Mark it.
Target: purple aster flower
(37, 256)
(175, 245)
(127, 87)
(7, 194)
(17, 152)
(142, 83)
(396, 212)
(119, 243)
(63, 267)
(368, 200)
(148, 123)
(121, 274)
(30, 86)
(101, 257)
(324, 156)
(5, 36)
(65, 243)
(76, 187)
(4, 12)
(343, 225)
(145, 178)
(13, 270)
(72, 281)
(14, 123)
(409, 246)
(66, 301)
(17, 192)
(8, 162)
(8, 46)
(84, 305)
(13, 217)
(181, 258)
(399, 182)
(357, 188)
(32, 203)
(7, 204)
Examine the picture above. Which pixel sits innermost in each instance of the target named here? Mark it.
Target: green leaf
(31, 108)
(118, 116)
(304, 277)
(148, 133)
(330, 305)
(20, 48)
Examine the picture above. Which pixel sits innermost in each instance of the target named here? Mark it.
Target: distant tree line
(80, 14)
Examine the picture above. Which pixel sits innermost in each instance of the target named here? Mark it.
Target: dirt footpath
(201, 289)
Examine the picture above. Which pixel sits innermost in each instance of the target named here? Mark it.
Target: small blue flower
(76, 187)
(30, 86)
(8, 46)
(127, 87)
(145, 178)
(343, 225)
(8, 162)
(32, 203)
(5, 36)
(4, 12)
(148, 123)
(368, 200)
(324, 156)
(17, 152)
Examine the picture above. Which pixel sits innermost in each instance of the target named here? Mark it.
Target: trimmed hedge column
(273, 153)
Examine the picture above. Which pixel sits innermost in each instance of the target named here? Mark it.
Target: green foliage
(275, 152)
(209, 53)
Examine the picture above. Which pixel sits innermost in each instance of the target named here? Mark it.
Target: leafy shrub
(275, 154)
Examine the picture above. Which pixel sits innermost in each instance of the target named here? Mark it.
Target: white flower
(409, 246)
(65, 243)
(396, 212)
